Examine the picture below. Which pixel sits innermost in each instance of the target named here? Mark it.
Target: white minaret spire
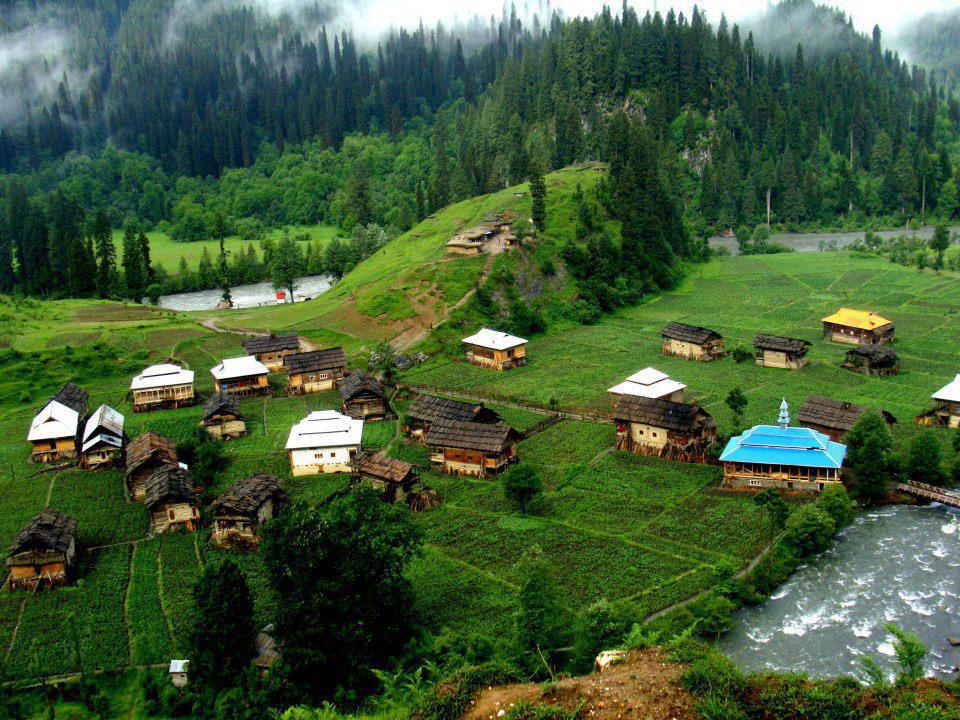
(784, 420)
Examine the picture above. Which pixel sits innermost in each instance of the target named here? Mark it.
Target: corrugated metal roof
(163, 375)
(105, 418)
(494, 340)
(790, 446)
(949, 392)
(238, 367)
(659, 389)
(54, 421)
(863, 319)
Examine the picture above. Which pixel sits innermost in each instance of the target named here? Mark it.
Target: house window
(173, 515)
(654, 434)
(318, 456)
(322, 376)
(640, 432)
(754, 483)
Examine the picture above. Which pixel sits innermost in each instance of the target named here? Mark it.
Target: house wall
(252, 385)
(100, 457)
(226, 429)
(497, 359)
(363, 408)
(949, 413)
(771, 358)
(649, 435)
(833, 433)
(167, 515)
(454, 461)
(27, 576)
(162, 397)
(789, 478)
(274, 360)
(855, 336)
(322, 460)
(302, 383)
(53, 450)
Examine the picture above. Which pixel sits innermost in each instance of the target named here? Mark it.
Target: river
(810, 242)
(245, 295)
(895, 564)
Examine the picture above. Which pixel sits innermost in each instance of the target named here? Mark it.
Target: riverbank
(812, 242)
(245, 296)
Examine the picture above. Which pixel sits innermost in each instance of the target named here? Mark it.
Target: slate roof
(48, 531)
(673, 416)
(790, 446)
(779, 343)
(259, 344)
(247, 495)
(689, 333)
(170, 483)
(73, 397)
(357, 382)
(482, 437)
(148, 446)
(315, 361)
(223, 403)
(877, 356)
(431, 408)
(381, 467)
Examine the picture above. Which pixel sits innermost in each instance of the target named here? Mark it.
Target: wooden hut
(323, 442)
(876, 360)
(472, 241)
(103, 439)
(44, 552)
(494, 349)
(781, 352)
(396, 480)
(833, 418)
(857, 327)
(241, 510)
(783, 457)
(364, 398)
(648, 383)
(267, 650)
(672, 430)
(54, 433)
(222, 418)
(241, 376)
(171, 500)
(692, 342)
(272, 349)
(145, 455)
(426, 409)
(162, 386)
(469, 448)
(315, 371)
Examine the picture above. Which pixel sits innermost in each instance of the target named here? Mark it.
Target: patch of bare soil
(644, 687)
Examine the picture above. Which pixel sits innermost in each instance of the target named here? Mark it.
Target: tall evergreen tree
(132, 260)
(538, 196)
(106, 254)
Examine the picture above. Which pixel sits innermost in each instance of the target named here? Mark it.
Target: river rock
(954, 640)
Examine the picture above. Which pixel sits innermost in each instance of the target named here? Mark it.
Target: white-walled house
(323, 442)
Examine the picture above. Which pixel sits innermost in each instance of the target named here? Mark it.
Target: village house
(493, 236)
(857, 327)
(55, 431)
(162, 386)
(494, 349)
(876, 360)
(649, 383)
(222, 418)
(782, 457)
(315, 371)
(947, 409)
(103, 439)
(833, 418)
(667, 429)
(469, 448)
(241, 510)
(44, 552)
(323, 442)
(272, 349)
(692, 342)
(393, 478)
(426, 409)
(171, 500)
(241, 376)
(267, 652)
(364, 398)
(146, 454)
(178, 672)
(781, 352)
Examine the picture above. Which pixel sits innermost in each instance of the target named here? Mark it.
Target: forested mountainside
(933, 40)
(221, 121)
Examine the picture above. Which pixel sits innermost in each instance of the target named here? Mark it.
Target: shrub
(599, 628)
(714, 674)
(450, 698)
(640, 638)
(712, 614)
(810, 530)
(688, 650)
(741, 354)
(837, 503)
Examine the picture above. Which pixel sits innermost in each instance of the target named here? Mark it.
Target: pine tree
(538, 196)
(106, 254)
(144, 243)
(132, 260)
(8, 278)
(220, 228)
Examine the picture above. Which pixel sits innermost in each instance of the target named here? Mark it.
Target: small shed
(179, 669)
(692, 342)
(241, 376)
(781, 352)
(494, 349)
(315, 371)
(426, 409)
(323, 442)
(146, 454)
(876, 360)
(267, 653)
(244, 507)
(667, 429)
(103, 439)
(833, 418)
(222, 418)
(857, 326)
(649, 383)
(162, 386)
(364, 398)
(271, 349)
(171, 500)
(392, 477)
(44, 552)
(470, 448)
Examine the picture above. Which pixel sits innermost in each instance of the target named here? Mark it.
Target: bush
(741, 354)
(689, 650)
(600, 628)
(712, 614)
(836, 502)
(810, 530)
(639, 638)
(714, 675)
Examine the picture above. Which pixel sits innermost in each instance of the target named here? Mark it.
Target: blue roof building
(782, 457)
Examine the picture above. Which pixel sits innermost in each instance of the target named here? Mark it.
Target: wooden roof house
(103, 439)
(171, 500)
(493, 235)
(144, 455)
(876, 360)
(426, 409)
(495, 349)
(667, 429)
(396, 480)
(692, 342)
(364, 397)
(833, 418)
(162, 386)
(315, 371)
(241, 376)
(44, 552)
(221, 417)
(781, 352)
(271, 349)
(471, 448)
(857, 326)
(55, 431)
(240, 511)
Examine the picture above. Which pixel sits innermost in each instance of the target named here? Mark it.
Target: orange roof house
(857, 327)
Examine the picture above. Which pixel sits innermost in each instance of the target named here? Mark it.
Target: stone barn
(171, 500)
(876, 360)
(144, 455)
(364, 397)
(315, 371)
